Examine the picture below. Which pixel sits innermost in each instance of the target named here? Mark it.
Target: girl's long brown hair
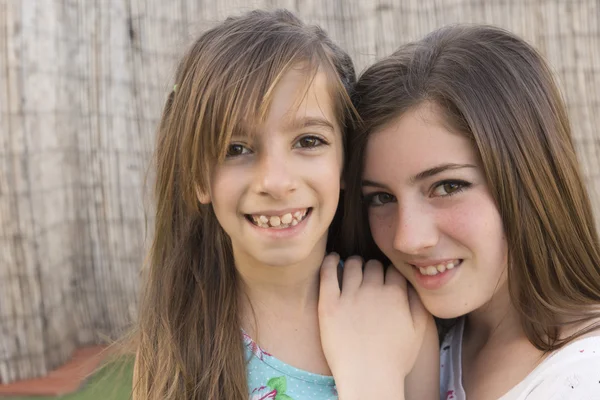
(497, 90)
(188, 338)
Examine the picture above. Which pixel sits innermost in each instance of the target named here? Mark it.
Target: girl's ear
(203, 197)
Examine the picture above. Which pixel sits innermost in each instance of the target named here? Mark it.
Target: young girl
(471, 186)
(249, 162)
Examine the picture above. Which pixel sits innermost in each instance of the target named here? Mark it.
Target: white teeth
(431, 270)
(286, 219)
(274, 221)
(279, 221)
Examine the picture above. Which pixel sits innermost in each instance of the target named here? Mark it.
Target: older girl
(471, 187)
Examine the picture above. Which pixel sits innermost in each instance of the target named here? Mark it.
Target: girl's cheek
(474, 218)
(382, 226)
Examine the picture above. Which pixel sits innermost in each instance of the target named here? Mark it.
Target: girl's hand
(371, 330)
(423, 381)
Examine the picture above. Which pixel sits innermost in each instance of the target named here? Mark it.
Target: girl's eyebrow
(437, 170)
(421, 175)
(369, 183)
(310, 122)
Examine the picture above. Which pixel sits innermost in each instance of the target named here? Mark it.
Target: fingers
(373, 273)
(353, 275)
(394, 278)
(329, 289)
(420, 315)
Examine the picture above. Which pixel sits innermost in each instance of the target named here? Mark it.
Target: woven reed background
(81, 89)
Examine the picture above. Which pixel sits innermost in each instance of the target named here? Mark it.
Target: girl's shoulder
(572, 372)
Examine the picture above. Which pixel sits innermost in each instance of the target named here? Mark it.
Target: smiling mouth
(278, 221)
(432, 270)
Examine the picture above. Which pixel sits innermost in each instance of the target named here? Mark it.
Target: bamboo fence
(82, 84)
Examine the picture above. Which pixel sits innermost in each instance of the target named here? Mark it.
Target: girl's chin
(448, 310)
(282, 259)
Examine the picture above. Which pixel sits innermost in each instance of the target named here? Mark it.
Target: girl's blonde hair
(188, 338)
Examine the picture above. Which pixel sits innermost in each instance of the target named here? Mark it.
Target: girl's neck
(497, 318)
(292, 294)
(496, 353)
(289, 289)
(278, 306)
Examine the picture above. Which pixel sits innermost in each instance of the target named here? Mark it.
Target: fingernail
(358, 258)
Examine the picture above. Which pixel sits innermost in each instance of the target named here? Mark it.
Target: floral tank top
(272, 379)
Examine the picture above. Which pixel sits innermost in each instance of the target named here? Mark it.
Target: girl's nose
(416, 230)
(275, 175)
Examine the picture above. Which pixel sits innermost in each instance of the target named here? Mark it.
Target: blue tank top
(272, 379)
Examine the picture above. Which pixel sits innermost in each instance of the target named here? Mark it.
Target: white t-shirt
(571, 373)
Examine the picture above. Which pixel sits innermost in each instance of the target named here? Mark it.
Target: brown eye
(448, 188)
(451, 187)
(237, 149)
(379, 199)
(308, 142)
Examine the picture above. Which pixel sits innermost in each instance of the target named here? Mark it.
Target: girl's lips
(432, 268)
(427, 263)
(278, 222)
(437, 280)
(281, 231)
(279, 212)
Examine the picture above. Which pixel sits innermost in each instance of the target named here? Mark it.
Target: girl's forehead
(415, 141)
(294, 104)
(295, 124)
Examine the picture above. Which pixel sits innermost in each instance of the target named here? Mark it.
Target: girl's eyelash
(238, 146)
(321, 141)
(240, 149)
(449, 186)
(456, 185)
(374, 199)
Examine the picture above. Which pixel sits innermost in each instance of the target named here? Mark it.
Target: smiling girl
(471, 187)
(248, 164)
